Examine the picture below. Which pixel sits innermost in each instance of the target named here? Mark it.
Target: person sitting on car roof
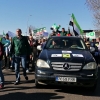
(63, 33)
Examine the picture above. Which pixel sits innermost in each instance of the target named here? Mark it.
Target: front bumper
(47, 77)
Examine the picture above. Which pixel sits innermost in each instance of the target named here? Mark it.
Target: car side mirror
(92, 49)
(39, 47)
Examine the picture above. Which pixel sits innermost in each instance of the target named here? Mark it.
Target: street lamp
(27, 24)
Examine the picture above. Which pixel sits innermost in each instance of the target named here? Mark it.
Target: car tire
(93, 88)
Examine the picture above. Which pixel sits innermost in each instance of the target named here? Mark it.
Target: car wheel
(93, 88)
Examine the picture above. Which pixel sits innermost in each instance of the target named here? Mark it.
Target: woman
(6, 53)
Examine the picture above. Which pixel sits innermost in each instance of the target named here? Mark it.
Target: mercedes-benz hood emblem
(66, 66)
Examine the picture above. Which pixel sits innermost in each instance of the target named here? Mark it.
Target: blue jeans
(17, 61)
(12, 62)
(1, 74)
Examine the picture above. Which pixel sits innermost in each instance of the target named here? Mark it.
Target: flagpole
(27, 24)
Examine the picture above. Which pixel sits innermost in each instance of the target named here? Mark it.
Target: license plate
(66, 79)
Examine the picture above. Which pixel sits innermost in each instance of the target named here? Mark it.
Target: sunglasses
(88, 44)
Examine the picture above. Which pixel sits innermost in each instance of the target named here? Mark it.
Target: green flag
(4, 34)
(44, 29)
(40, 29)
(91, 35)
(54, 26)
(76, 26)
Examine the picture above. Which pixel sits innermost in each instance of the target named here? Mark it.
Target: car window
(67, 43)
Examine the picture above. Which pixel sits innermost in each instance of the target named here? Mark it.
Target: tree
(94, 6)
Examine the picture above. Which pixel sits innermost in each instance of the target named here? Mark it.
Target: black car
(66, 61)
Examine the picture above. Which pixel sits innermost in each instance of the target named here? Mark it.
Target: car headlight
(91, 65)
(42, 64)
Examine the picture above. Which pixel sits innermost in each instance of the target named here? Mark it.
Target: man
(63, 33)
(1, 74)
(20, 48)
(96, 51)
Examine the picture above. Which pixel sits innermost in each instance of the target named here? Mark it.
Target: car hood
(75, 56)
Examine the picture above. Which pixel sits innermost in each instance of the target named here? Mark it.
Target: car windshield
(65, 43)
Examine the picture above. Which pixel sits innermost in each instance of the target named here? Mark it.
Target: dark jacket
(20, 46)
(1, 51)
(96, 52)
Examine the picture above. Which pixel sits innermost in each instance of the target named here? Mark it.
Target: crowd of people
(95, 43)
(21, 50)
(16, 52)
(60, 33)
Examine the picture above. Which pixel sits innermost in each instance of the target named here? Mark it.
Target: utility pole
(27, 24)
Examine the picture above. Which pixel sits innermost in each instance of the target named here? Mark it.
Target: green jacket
(20, 46)
(63, 34)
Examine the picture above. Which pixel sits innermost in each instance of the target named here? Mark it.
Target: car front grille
(60, 66)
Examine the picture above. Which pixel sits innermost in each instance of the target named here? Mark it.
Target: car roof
(66, 37)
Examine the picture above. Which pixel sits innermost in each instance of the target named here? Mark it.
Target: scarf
(31, 43)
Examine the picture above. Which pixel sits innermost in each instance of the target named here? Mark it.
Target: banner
(11, 34)
(45, 34)
(90, 35)
(39, 31)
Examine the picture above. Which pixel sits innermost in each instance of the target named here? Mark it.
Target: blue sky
(15, 14)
